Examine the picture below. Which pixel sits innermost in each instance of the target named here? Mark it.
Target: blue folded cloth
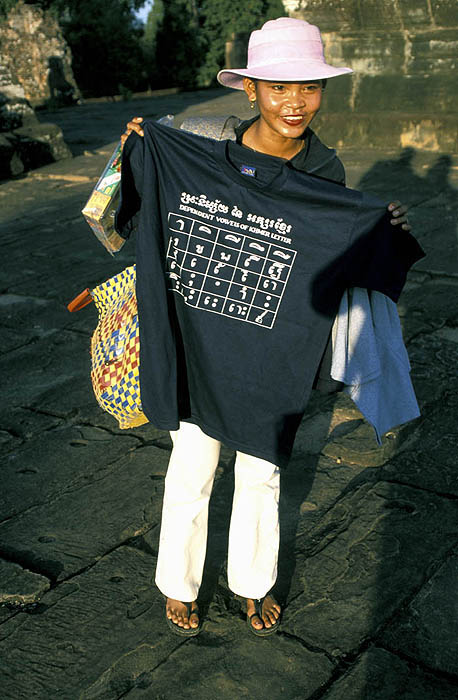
(370, 358)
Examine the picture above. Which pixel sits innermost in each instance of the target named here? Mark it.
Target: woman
(286, 76)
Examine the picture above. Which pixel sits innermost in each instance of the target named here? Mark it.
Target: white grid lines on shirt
(201, 289)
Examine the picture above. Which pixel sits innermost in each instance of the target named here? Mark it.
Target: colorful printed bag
(115, 347)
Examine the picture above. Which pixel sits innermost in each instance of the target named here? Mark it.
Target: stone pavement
(369, 551)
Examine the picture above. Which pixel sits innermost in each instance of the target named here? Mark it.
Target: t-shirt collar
(254, 159)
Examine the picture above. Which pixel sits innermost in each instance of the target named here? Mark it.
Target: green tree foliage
(155, 17)
(5, 7)
(222, 20)
(105, 42)
(185, 39)
(177, 43)
(61, 5)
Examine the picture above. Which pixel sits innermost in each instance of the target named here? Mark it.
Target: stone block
(69, 272)
(106, 636)
(429, 307)
(338, 94)
(380, 14)
(428, 630)
(309, 488)
(331, 15)
(40, 144)
(415, 13)
(414, 186)
(15, 110)
(31, 316)
(19, 586)
(408, 94)
(389, 131)
(380, 675)
(26, 424)
(445, 12)
(83, 627)
(10, 162)
(433, 54)
(14, 113)
(433, 359)
(56, 462)
(73, 529)
(360, 563)
(435, 227)
(360, 447)
(46, 364)
(93, 414)
(231, 667)
(370, 53)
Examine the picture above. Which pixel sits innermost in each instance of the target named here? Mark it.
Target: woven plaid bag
(115, 347)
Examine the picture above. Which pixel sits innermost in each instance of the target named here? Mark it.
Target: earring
(252, 103)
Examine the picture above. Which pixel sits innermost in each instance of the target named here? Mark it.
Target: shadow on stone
(62, 93)
(411, 528)
(432, 202)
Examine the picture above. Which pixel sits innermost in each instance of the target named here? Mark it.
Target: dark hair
(323, 81)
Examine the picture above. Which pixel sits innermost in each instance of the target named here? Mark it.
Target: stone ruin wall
(31, 41)
(29, 37)
(405, 56)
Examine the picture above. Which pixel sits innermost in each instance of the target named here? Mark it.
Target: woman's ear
(249, 86)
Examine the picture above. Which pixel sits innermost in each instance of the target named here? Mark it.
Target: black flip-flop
(264, 631)
(181, 631)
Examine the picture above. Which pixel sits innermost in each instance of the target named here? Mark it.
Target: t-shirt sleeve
(131, 185)
(380, 254)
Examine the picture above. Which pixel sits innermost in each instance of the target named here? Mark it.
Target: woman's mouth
(293, 120)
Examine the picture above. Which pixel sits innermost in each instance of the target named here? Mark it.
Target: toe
(182, 622)
(269, 619)
(257, 623)
(271, 613)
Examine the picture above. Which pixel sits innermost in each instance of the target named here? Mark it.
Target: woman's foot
(183, 615)
(270, 613)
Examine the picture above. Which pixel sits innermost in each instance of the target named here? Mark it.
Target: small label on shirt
(248, 170)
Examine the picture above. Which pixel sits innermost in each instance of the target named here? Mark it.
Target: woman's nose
(296, 99)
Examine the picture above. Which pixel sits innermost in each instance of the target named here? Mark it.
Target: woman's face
(285, 108)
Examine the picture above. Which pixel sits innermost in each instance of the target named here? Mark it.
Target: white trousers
(254, 527)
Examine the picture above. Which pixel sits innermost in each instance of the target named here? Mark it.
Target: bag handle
(80, 301)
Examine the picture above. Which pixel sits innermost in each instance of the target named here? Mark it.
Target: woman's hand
(133, 125)
(399, 214)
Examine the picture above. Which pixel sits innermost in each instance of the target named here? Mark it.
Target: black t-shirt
(241, 265)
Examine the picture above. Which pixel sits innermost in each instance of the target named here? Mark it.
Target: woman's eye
(278, 88)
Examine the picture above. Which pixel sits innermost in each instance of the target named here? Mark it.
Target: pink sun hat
(284, 49)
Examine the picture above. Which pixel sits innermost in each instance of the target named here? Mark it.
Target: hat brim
(291, 72)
